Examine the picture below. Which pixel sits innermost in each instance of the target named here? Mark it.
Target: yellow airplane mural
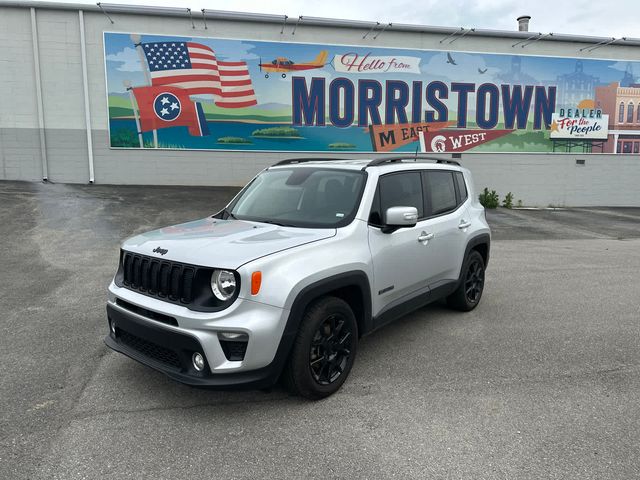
(283, 65)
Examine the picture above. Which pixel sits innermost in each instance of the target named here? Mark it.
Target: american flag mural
(195, 68)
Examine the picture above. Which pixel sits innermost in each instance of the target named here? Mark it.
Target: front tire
(323, 351)
(469, 292)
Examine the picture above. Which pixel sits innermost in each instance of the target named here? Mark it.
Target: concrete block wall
(537, 179)
(20, 157)
(544, 180)
(63, 97)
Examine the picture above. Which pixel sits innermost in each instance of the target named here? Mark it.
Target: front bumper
(169, 348)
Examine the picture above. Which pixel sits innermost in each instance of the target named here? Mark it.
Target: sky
(612, 18)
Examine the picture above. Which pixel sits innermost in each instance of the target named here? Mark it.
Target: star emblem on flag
(166, 106)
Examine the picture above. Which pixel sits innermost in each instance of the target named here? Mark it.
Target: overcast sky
(614, 18)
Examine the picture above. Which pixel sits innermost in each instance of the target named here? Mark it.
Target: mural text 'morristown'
(343, 102)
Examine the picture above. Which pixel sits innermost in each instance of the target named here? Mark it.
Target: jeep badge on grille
(159, 250)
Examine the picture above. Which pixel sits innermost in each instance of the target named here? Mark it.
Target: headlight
(223, 284)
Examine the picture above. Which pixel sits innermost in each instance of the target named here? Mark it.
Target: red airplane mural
(283, 65)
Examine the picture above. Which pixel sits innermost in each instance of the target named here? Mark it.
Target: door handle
(425, 237)
(464, 224)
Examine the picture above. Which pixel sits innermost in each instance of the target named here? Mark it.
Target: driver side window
(402, 189)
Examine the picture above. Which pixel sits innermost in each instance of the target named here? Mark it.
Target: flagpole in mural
(127, 85)
(136, 39)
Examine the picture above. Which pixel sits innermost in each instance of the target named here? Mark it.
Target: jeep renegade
(308, 258)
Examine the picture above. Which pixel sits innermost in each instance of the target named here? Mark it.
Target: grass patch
(341, 146)
(234, 140)
(286, 132)
(123, 137)
(119, 112)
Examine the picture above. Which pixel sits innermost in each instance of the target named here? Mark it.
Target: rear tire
(469, 292)
(323, 351)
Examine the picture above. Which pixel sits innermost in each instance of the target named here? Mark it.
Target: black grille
(150, 349)
(234, 351)
(168, 280)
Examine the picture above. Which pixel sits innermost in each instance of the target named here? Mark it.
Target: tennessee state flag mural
(164, 106)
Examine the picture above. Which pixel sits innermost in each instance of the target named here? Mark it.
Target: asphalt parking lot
(542, 380)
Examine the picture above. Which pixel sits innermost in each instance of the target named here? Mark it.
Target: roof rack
(413, 158)
(290, 161)
(372, 163)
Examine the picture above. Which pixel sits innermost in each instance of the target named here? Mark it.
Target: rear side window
(441, 191)
(462, 188)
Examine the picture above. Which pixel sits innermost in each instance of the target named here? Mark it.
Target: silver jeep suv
(308, 258)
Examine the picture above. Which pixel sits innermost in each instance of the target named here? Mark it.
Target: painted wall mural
(227, 94)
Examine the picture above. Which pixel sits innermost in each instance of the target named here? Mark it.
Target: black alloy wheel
(330, 349)
(474, 281)
(470, 284)
(324, 349)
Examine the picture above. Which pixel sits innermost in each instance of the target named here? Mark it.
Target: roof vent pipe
(523, 23)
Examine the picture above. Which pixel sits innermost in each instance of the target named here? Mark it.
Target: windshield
(301, 197)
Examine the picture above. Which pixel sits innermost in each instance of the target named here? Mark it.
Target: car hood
(212, 242)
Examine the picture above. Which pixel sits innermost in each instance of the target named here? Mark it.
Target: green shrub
(489, 199)
(508, 200)
(519, 203)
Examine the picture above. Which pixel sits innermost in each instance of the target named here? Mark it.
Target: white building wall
(63, 100)
(19, 138)
(536, 179)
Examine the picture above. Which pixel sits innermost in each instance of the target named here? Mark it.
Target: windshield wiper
(227, 212)
(273, 222)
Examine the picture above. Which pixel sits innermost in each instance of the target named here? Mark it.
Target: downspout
(85, 86)
(36, 61)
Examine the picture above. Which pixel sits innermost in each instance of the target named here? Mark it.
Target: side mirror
(398, 217)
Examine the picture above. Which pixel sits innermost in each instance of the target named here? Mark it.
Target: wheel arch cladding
(482, 244)
(483, 249)
(344, 285)
(352, 287)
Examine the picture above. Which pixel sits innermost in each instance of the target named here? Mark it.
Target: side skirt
(394, 312)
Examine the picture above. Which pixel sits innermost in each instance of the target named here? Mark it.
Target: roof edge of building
(321, 21)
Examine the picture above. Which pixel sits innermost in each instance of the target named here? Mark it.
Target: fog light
(198, 361)
(112, 326)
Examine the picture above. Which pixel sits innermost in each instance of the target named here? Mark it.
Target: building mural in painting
(623, 100)
(225, 94)
(576, 86)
